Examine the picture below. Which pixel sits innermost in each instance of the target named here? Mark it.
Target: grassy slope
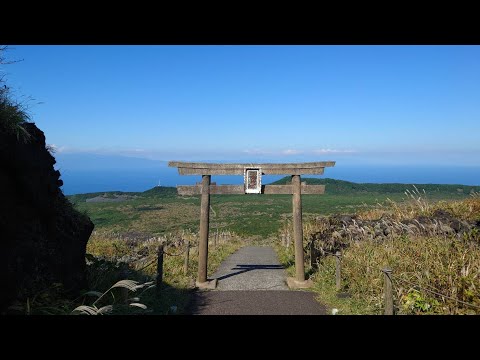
(342, 187)
(177, 286)
(160, 210)
(447, 264)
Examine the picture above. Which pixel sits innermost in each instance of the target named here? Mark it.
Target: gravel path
(251, 268)
(252, 282)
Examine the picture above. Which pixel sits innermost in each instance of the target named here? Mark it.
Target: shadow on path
(244, 268)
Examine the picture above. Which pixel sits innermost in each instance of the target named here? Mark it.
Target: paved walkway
(251, 268)
(252, 282)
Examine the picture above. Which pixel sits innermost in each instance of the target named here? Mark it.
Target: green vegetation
(324, 283)
(122, 300)
(443, 263)
(112, 257)
(346, 187)
(120, 262)
(159, 210)
(161, 214)
(13, 114)
(12, 117)
(127, 234)
(130, 230)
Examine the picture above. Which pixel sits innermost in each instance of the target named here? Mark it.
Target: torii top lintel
(191, 168)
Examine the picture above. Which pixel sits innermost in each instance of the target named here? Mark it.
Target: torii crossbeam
(252, 174)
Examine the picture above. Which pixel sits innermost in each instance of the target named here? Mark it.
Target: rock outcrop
(340, 230)
(42, 237)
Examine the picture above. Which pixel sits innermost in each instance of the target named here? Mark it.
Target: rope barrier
(334, 254)
(150, 263)
(416, 285)
(180, 253)
(343, 258)
(436, 293)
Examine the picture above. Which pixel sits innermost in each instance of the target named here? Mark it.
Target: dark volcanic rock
(339, 230)
(43, 239)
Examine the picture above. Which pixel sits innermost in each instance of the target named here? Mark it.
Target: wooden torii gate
(252, 185)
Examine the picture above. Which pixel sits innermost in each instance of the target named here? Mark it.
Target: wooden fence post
(313, 264)
(187, 254)
(159, 267)
(388, 291)
(338, 269)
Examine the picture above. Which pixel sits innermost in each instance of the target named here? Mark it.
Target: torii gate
(252, 174)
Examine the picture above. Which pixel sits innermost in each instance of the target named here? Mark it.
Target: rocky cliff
(42, 238)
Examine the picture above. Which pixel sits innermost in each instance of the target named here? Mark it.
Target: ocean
(140, 179)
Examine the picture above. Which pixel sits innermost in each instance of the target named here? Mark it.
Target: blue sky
(354, 104)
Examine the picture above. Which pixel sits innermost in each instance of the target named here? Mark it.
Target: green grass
(160, 210)
(107, 263)
(177, 288)
(258, 218)
(324, 283)
(244, 214)
(445, 263)
(13, 114)
(334, 186)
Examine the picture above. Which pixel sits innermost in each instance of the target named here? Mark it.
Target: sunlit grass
(448, 265)
(138, 261)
